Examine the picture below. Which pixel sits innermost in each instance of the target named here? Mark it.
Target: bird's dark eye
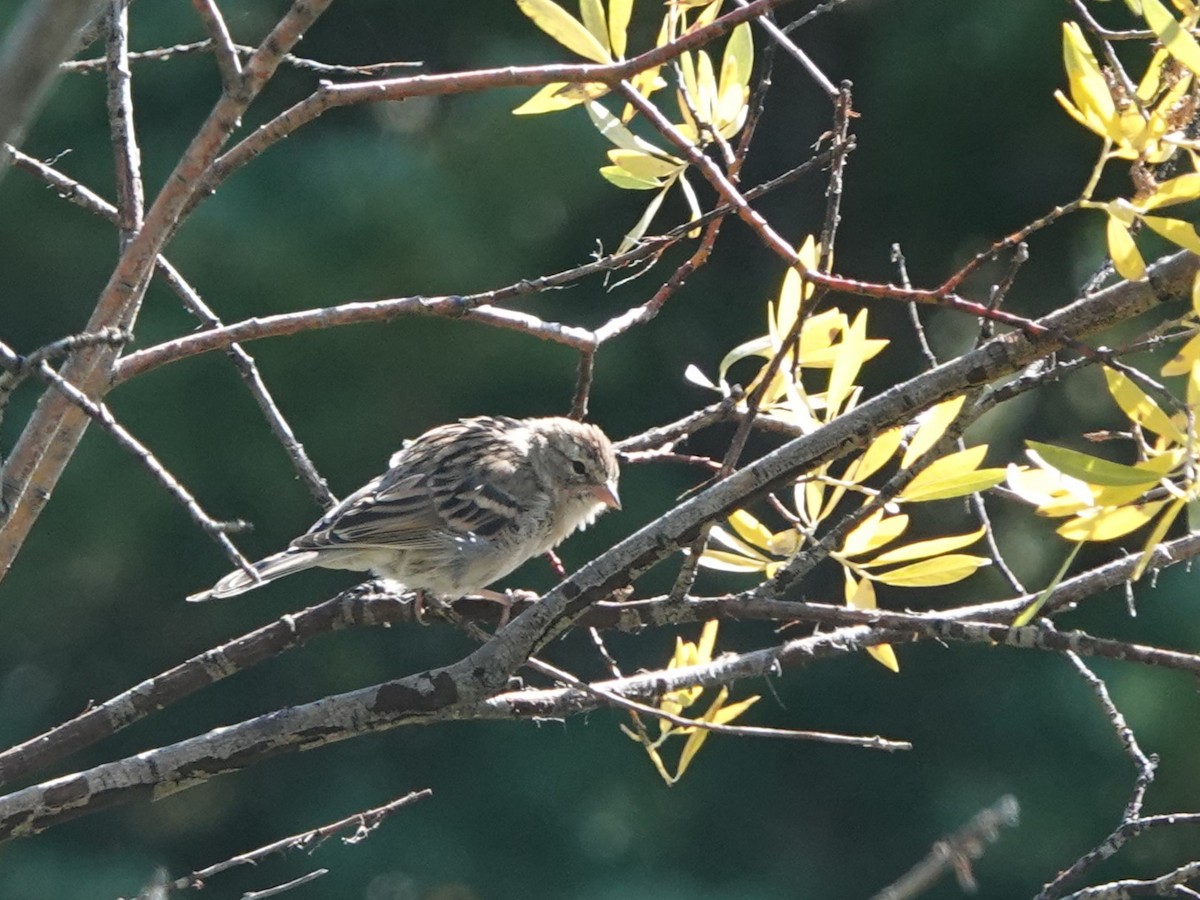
(578, 467)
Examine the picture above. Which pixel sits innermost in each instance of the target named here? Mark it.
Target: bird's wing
(431, 495)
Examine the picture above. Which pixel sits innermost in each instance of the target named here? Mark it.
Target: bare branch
(956, 852)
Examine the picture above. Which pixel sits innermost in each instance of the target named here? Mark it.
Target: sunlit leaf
(730, 562)
(560, 96)
(1156, 535)
(1126, 257)
(595, 20)
(612, 129)
(873, 532)
(954, 475)
(750, 529)
(627, 181)
(565, 28)
(644, 165)
(1092, 103)
(619, 12)
(1174, 37)
(735, 543)
(1091, 469)
(1140, 408)
(1174, 190)
(940, 570)
(934, 422)
(1183, 361)
(1052, 492)
(925, 549)
(1109, 524)
(640, 227)
(882, 448)
(1176, 231)
(850, 358)
(1027, 614)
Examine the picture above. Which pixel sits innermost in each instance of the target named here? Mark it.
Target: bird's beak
(607, 494)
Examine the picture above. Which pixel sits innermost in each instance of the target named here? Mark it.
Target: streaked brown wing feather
(430, 497)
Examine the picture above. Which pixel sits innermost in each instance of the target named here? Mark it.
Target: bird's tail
(238, 582)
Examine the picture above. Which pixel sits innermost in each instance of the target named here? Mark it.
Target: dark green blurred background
(960, 141)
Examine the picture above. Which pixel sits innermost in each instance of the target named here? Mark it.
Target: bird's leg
(556, 564)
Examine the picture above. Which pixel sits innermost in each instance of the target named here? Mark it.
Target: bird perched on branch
(458, 508)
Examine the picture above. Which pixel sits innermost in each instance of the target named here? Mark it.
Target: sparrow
(459, 507)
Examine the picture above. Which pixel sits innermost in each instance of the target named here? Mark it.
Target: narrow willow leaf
(1089, 89)
(861, 595)
(698, 736)
(924, 549)
(1110, 524)
(882, 448)
(619, 13)
(693, 374)
(627, 181)
(1091, 469)
(873, 532)
(1174, 37)
(1126, 257)
(1174, 190)
(1140, 408)
(693, 202)
(1176, 231)
(644, 165)
(595, 20)
(565, 28)
(1187, 356)
(707, 642)
(730, 562)
(638, 231)
(750, 529)
(1156, 535)
(738, 61)
(560, 96)
(934, 422)
(940, 570)
(735, 543)
(952, 466)
(759, 346)
(850, 358)
(926, 486)
(1027, 614)
(1052, 492)
(612, 129)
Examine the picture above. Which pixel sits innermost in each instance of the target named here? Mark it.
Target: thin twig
(956, 852)
(363, 824)
(126, 153)
(162, 54)
(221, 43)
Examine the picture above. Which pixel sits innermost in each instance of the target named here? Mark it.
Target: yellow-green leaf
(1183, 361)
(619, 12)
(878, 452)
(640, 227)
(1126, 257)
(954, 475)
(734, 543)
(644, 165)
(1109, 524)
(934, 422)
(1176, 231)
(750, 529)
(1136, 404)
(1156, 536)
(925, 549)
(934, 572)
(730, 562)
(1174, 190)
(1174, 37)
(1091, 469)
(595, 20)
(873, 532)
(627, 181)
(560, 96)
(850, 358)
(565, 28)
